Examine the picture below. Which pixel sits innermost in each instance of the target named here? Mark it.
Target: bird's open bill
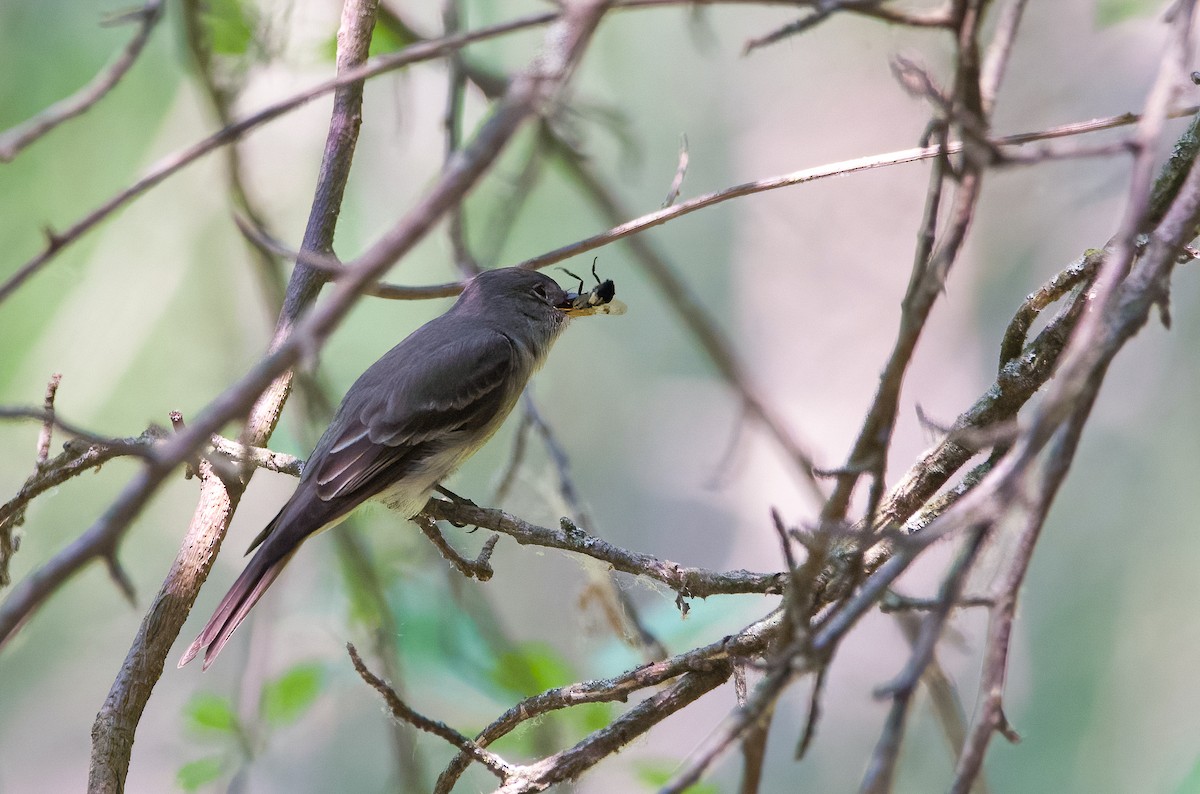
(613, 307)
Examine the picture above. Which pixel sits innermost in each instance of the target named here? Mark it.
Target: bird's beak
(577, 305)
(601, 300)
(574, 304)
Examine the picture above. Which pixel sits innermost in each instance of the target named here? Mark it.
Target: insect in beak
(601, 299)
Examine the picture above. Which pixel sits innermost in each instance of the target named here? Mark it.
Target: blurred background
(159, 310)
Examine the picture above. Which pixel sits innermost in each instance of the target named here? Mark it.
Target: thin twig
(50, 418)
(513, 468)
(220, 101)
(479, 568)
(996, 61)
(14, 139)
(880, 772)
(680, 173)
(640, 224)
(824, 9)
(400, 711)
(44, 438)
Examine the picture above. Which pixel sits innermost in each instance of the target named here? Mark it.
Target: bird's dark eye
(540, 292)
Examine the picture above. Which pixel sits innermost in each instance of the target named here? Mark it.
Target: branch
(687, 582)
(169, 165)
(14, 139)
(337, 271)
(934, 257)
(747, 643)
(570, 764)
(77, 457)
(479, 568)
(824, 9)
(400, 711)
(220, 101)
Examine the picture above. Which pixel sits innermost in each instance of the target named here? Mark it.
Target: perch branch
(687, 582)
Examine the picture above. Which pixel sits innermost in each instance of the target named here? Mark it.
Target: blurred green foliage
(1110, 12)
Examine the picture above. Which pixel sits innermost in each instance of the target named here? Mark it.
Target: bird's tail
(260, 572)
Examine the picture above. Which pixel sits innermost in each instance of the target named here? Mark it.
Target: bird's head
(515, 292)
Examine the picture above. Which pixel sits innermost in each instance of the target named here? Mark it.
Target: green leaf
(391, 38)
(229, 29)
(209, 712)
(192, 776)
(656, 774)
(385, 38)
(286, 698)
(1110, 12)
(533, 668)
(591, 716)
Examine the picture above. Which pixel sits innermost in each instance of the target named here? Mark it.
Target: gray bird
(409, 421)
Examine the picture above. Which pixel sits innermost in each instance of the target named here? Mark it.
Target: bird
(409, 421)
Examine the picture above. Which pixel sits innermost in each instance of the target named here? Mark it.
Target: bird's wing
(461, 389)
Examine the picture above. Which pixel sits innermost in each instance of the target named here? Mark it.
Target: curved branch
(14, 139)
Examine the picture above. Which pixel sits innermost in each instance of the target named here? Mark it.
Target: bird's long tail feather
(237, 603)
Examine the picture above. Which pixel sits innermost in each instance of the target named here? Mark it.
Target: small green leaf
(286, 698)
(192, 776)
(385, 38)
(209, 712)
(229, 28)
(591, 716)
(656, 774)
(1110, 12)
(391, 38)
(534, 668)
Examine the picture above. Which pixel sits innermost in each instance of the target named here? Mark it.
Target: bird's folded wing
(458, 388)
